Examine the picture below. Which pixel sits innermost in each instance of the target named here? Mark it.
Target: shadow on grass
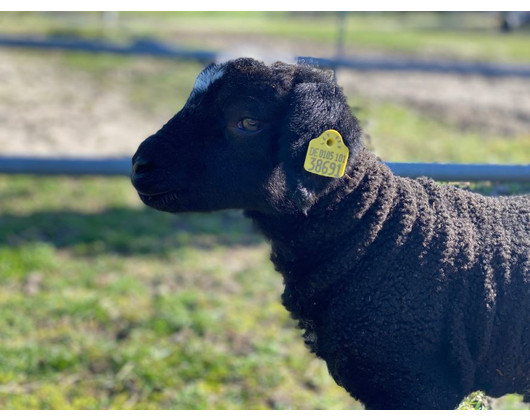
(128, 231)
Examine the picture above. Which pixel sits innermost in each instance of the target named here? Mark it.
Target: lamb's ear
(314, 108)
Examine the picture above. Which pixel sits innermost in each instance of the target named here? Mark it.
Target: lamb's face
(232, 144)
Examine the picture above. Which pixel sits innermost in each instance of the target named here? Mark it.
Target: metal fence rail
(122, 167)
(142, 47)
(12, 165)
(149, 47)
(462, 172)
(422, 66)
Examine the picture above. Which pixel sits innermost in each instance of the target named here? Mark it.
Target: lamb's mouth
(164, 201)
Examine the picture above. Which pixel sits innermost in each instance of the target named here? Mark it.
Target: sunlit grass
(95, 314)
(400, 134)
(451, 35)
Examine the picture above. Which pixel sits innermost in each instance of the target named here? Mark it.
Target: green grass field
(107, 304)
(457, 35)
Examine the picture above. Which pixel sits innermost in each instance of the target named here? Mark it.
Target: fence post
(341, 32)
(110, 19)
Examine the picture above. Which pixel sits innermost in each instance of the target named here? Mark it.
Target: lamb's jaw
(164, 202)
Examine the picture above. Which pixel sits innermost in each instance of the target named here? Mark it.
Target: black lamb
(415, 294)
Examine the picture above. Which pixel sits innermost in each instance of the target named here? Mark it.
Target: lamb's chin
(168, 202)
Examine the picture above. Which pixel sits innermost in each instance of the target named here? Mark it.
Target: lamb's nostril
(135, 167)
(140, 165)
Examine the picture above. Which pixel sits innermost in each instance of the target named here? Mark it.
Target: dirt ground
(49, 109)
(46, 109)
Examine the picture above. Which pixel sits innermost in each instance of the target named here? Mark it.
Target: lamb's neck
(341, 225)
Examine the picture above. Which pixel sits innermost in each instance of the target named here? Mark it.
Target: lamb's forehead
(245, 66)
(215, 71)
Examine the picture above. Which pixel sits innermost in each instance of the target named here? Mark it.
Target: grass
(454, 35)
(398, 133)
(105, 304)
(154, 86)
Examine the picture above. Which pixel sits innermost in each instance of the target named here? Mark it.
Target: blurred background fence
(507, 21)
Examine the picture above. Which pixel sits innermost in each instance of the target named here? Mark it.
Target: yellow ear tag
(327, 155)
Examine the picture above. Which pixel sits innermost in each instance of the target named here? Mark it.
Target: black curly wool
(415, 294)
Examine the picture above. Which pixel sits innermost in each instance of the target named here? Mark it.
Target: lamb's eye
(249, 124)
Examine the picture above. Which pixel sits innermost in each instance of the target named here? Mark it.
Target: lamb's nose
(142, 174)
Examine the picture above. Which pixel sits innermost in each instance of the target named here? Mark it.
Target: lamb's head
(241, 140)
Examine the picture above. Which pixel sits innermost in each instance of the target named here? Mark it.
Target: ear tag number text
(327, 155)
